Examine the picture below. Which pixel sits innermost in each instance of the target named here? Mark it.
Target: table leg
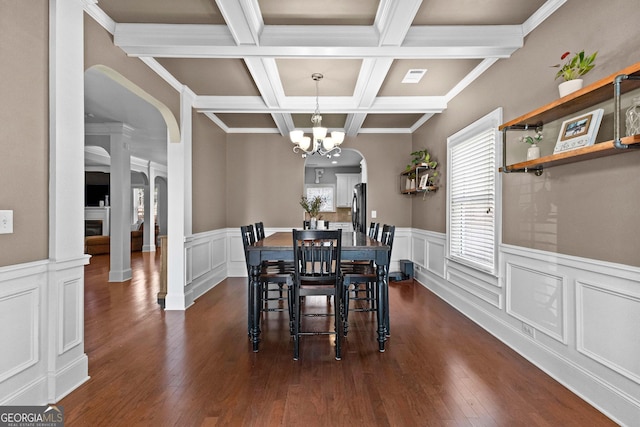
(382, 307)
(254, 308)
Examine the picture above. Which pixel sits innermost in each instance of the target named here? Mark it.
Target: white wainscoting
(42, 331)
(206, 262)
(576, 319)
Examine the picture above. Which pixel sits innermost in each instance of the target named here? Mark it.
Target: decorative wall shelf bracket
(617, 142)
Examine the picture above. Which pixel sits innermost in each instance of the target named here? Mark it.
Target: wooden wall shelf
(586, 153)
(590, 95)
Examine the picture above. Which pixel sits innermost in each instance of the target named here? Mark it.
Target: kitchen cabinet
(344, 188)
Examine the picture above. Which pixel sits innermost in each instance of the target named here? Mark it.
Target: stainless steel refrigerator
(359, 208)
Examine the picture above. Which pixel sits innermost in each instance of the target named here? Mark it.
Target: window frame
(490, 121)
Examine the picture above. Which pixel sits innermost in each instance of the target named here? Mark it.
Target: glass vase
(633, 117)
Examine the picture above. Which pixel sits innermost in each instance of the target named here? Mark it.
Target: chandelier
(319, 142)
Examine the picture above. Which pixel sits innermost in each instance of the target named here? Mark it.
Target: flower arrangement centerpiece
(573, 69)
(311, 205)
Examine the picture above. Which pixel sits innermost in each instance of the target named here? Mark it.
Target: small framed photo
(579, 132)
(424, 181)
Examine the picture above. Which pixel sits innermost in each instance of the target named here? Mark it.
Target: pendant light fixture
(319, 142)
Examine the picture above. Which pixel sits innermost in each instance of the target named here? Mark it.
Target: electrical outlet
(528, 330)
(6, 222)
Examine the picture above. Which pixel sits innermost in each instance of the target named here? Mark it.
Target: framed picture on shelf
(424, 182)
(579, 132)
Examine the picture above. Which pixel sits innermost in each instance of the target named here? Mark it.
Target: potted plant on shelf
(421, 158)
(571, 71)
(312, 207)
(533, 152)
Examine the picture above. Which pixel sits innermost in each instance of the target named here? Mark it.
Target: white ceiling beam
(394, 19)
(244, 20)
(330, 105)
(216, 41)
(540, 15)
(353, 124)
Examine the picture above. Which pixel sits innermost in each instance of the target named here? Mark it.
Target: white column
(121, 205)
(179, 295)
(149, 243)
(61, 364)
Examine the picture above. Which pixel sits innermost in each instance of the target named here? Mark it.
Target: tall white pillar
(149, 238)
(120, 189)
(179, 295)
(59, 361)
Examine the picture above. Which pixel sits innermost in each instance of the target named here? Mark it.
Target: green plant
(311, 205)
(420, 157)
(532, 139)
(431, 181)
(575, 67)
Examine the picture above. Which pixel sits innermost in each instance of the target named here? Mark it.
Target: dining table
(355, 246)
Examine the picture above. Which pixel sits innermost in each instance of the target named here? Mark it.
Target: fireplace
(93, 227)
(96, 221)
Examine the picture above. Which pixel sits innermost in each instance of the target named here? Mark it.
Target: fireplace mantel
(99, 213)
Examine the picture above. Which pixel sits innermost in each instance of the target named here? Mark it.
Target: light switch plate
(6, 222)
(374, 214)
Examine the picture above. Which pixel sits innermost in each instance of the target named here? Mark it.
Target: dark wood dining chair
(259, 231)
(366, 275)
(317, 272)
(374, 227)
(306, 225)
(270, 274)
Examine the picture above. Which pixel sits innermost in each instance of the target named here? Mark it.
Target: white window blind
(472, 170)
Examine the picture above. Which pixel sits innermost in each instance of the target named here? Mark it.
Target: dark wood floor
(151, 367)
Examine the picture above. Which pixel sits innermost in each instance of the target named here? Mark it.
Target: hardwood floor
(196, 368)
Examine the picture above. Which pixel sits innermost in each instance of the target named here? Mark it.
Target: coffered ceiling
(249, 62)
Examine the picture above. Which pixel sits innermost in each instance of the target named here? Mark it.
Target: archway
(134, 128)
(336, 176)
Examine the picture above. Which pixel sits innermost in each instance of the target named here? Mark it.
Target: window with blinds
(472, 189)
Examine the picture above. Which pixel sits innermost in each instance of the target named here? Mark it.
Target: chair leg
(296, 325)
(338, 312)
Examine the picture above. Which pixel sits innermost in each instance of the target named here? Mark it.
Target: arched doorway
(134, 129)
(335, 176)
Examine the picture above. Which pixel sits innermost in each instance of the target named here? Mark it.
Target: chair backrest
(373, 230)
(248, 238)
(259, 231)
(387, 236)
(317, 256)
(306, 225)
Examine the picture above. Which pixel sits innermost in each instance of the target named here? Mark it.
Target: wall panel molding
(607, 327)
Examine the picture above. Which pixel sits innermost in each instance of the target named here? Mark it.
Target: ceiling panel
(474, 12)
(219, 77)
(163, 11)
(247, 121)
(314, 12)
(393, 121)
(331, 121)
(340, 76)
(441, 76)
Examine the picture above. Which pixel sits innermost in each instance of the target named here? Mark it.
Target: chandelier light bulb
(296, 136)
(305, 143)
(328, 143)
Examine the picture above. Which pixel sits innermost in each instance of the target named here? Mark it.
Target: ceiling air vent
(413, 76)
